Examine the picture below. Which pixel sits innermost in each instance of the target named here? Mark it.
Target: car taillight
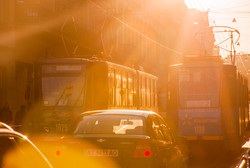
(58, 152)
(142, 149)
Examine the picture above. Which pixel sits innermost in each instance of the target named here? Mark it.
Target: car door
(174, 154)
(161, 144)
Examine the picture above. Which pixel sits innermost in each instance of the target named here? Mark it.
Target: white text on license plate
(102, 152)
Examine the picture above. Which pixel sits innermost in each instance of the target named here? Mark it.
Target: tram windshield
(199, 87)
(63, 84)
(63, 90)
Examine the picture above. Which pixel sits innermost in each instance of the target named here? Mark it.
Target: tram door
(24, 84)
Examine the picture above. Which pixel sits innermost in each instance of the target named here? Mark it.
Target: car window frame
(164, 128)
(157, 133)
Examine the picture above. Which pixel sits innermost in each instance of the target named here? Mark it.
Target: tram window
(124, 89)
(130, 89)
(136, 91)
(118, 79)
(1, 78)
(124, 80)
(152, 92)
(148, 92)
(140, 90)
(143, 91)
(111, 87)
(111, 77)
(130, 81)
(2, 83)
(155, 94)
(118, 89)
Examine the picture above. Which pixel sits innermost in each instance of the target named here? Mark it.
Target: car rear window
(111, 124)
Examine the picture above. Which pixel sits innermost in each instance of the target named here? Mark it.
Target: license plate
(102, 152)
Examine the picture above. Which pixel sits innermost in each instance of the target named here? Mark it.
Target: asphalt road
(213, 155)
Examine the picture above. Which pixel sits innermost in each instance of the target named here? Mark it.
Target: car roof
(5, 126)
(5, 131)
(119, 112)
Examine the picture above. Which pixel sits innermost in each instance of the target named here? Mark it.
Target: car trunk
(125, 150)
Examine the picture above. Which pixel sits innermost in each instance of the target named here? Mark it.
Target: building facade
(138, 33)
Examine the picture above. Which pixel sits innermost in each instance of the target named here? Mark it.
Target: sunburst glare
(205, 5)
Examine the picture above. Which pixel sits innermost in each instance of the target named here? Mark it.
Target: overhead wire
(235, 12)
(189, 2)
(63, 38)
(232, 12)
(238, 17)
(138, 32)
(243, 65)
(200, 5)
(148, 38)
(225, 40)
(220, 36)
(230, 18)
(235, 7)
(103, 46)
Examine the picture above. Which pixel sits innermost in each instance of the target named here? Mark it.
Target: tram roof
(200, 64)
(119, 112)
(202, 61)
(82, 60)
(69, 60)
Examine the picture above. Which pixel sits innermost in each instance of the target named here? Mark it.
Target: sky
(222, 13)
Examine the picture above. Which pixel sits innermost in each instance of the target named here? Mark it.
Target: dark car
(17, 151)
(131, 138)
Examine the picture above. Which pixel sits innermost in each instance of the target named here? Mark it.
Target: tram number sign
(200, 129)
(62, 128)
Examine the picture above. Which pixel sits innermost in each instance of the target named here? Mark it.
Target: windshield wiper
(82, 90)
(64, 91)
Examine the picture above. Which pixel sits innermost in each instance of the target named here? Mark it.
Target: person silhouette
(6, 114)
(20, 115)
